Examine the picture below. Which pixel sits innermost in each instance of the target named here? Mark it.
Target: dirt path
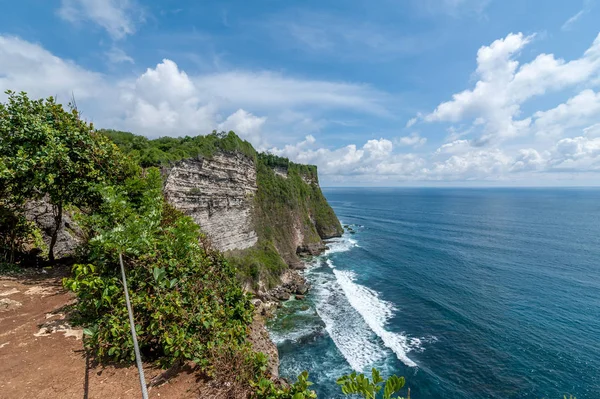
(41, 356)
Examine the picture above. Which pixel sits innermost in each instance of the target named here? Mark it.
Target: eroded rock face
(218, 193)
(69, 235)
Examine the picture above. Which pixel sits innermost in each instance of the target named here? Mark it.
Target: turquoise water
(468, 293)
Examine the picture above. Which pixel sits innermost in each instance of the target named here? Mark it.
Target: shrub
(359, 384)
(267, 389)
(186, 300)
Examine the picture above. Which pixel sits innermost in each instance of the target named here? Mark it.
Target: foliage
(273, 161)
(186, 300)
(359, 384)
(261, 262)
(9, 269)
(280, 203)
(286, 204)
(17, 234)
(267, 389)
(165, 150)
(47, 151)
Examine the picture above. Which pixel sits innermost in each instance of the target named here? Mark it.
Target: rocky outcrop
(69, 235)
(310, 249)
(292, 283)
(218, 193)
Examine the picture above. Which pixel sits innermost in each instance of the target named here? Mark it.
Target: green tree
(49, 152)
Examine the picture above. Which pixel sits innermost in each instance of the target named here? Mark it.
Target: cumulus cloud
(414, 140)
(375, 157)
(26, 66)
(246, 125)
(118, 17)
(503, 86)
(576, 154)
(453, 147)
(165, 100)
(580, 110)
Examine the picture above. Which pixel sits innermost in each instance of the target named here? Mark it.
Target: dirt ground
(41, 355)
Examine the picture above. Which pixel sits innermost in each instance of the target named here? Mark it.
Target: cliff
(263, 211)
(218, 194)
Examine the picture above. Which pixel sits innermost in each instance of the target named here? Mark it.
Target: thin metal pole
(138, 358)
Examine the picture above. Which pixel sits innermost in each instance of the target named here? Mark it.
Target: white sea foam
(375, 312)
(341, 244)
(345, 327)
(355, 317)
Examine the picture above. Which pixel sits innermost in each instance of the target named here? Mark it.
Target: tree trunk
(58, 222)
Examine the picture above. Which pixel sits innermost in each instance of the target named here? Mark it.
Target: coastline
(265, 305)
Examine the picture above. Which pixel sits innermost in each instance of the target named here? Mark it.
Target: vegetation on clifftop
(165, 150)
(282, 204)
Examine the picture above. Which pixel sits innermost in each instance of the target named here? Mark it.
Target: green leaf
(88, 331)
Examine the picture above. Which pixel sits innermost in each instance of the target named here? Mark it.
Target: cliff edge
(262, 210)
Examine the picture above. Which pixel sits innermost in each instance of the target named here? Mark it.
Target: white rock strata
(218, 193)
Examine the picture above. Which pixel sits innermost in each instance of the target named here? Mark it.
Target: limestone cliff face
(263, 215)
(218, 193)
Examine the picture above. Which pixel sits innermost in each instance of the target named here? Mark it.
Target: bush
(267, 389)
(359, 384)
(186, 300)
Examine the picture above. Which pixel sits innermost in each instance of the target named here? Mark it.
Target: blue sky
(393, 92)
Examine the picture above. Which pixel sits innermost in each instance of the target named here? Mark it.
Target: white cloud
(592, 131)
(246, 125)
(569, 22)
(165, 100)
(375, 157)
(411, 122)
(118, 17)
(578, 111)
(414, 140)
(576, 154)
(503, 86)
(484, 164)
(116, 56)
(528, 160)
(263, 90)
(587, 7)
(454, 147)
(26, 66)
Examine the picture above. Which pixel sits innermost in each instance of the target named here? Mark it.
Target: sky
(375, 93)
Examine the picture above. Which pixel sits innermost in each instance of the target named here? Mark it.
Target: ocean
(467, 293)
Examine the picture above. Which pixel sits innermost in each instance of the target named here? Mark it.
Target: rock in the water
(311, 249)
(300, 297)
(302, 289)
(282, 295)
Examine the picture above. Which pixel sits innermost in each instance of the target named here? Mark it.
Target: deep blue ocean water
(468, 293)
